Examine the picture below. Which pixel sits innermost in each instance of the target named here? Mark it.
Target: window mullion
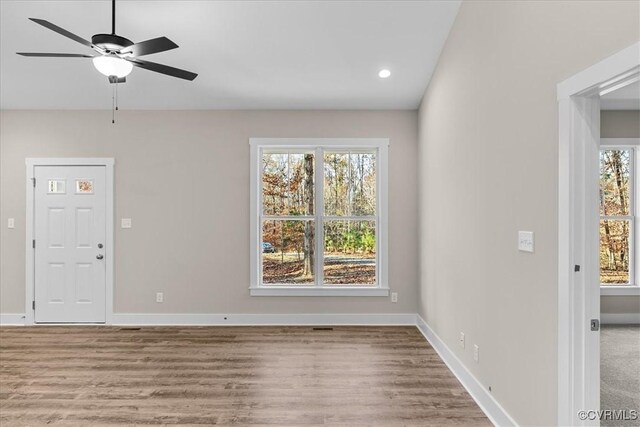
(319, 226)
(287, 217)
(350, 218)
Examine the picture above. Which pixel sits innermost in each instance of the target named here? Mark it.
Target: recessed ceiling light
(384, 73)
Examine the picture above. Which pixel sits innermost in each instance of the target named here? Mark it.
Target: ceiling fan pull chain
(113, 105)
(117, 95)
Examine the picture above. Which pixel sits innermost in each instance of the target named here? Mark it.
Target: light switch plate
(125, 223)
(525, 241)
(11, 223)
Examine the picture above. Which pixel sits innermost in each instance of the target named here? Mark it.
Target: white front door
(70, 231)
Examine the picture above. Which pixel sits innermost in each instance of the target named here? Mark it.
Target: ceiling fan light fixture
(111, 65)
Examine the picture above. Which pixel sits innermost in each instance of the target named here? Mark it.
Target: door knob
(99, 256)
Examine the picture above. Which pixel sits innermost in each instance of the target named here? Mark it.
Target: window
(618, 216)
(318, 217)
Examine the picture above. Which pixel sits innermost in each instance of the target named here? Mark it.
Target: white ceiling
(625, 98)
(248, 54)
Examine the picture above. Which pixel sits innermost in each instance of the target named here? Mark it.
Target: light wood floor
(89, 375)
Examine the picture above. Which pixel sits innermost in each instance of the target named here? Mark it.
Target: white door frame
(579, 291)
(31, 163)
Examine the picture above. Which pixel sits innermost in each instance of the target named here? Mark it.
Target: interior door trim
(578, 97)
(31, 164)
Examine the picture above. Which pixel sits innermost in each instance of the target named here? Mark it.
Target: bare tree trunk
(308, 229)
(361, 197)
(281, 243)
(617, 169)
(610, 257)
(335, 170)
(616, 163)
(607, 233)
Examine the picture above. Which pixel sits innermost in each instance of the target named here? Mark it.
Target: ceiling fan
(117, 55)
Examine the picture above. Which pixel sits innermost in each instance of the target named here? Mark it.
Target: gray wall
(488, 168)
(183, 178)
(619, 124)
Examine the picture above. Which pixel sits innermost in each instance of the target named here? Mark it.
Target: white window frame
(633, 144)
(380, 145)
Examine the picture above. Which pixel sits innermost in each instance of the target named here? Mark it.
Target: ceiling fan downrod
(113, 17)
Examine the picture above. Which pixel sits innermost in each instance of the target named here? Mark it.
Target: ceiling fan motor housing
(110, 42)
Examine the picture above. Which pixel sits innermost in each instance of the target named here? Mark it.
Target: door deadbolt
(100, 245)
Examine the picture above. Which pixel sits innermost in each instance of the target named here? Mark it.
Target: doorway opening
(620, 254)
(578, 237)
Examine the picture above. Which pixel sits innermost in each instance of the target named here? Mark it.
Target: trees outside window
(617, 216)
(318, 211)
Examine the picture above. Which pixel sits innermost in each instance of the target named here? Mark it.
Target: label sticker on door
(84, 186)
(56, 186)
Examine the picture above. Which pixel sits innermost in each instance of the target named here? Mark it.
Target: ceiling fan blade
(55, 55)
(148, 47)
(62, 31)
(163, 69)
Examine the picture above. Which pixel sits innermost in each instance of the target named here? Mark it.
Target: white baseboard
(263, 319)
(492, 409)
(10, 319)
(620, 318)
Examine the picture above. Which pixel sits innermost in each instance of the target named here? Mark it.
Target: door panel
(70, 212)
(56, 227)
(84, 227)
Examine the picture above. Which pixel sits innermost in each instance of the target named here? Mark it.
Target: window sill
(317, 291)
(620, 290)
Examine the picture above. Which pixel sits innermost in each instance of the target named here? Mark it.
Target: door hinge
(595, 324)
(34, 181)
(34, 243)
(576, 268)
(33, 304)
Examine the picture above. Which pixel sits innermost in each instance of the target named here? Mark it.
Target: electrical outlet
(394, 297)
(125, 223)
(11, 223)
(462, 339)
(476, 353)
(159, 297)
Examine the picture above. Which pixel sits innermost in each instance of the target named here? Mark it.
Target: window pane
(614, 251)
(287, 183)
(288, 252)
(350, 252)
(350, 183)
(56, 186)
(84, 186)
(614, 182)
